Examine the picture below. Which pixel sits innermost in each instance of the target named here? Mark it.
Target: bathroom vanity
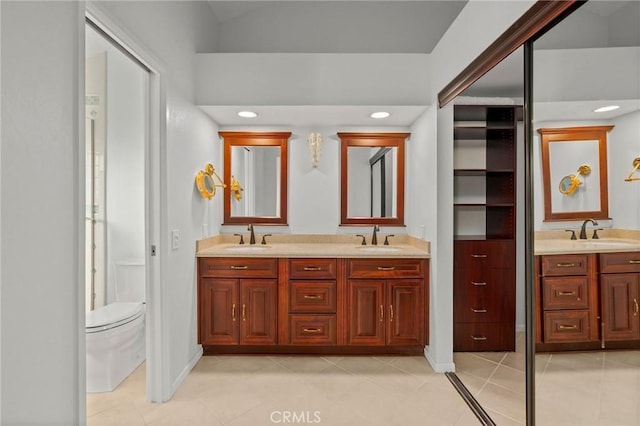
(587, 293)
(321, 294)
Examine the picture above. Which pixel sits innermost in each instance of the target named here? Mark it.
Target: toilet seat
(113, 315)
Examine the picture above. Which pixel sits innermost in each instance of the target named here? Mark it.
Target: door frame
(157, 356)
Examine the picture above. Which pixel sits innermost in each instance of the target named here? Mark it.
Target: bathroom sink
(247, 249)
(609, 243)
(375, 249)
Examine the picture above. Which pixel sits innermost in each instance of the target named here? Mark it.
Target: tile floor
(593, 388)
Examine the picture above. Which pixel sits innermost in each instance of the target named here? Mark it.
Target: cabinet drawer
(484, 254)
(386, 268)
(566, 326)
(238, 267)
(565, 293)
(484, 337)
(565, 264)
(313, 329)
(312, 268)
(312, 296)
(619, 262)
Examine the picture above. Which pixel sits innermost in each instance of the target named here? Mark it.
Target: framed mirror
(574, 172)
(372, 176)
(255, 172)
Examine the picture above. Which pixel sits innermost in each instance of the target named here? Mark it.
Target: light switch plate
(175, 239)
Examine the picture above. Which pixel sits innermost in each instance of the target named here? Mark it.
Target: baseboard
(185, 371)
(439, 367)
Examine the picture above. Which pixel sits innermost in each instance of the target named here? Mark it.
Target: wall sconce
(636, 166)
(315, 147)
(205, 183)
(570, 183)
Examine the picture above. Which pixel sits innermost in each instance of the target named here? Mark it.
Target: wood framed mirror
(255, 172)
(372, 176)
(574, 173)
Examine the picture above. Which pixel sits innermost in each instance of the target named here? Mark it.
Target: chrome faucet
(374, 237)
(252, 237)
(583, 230)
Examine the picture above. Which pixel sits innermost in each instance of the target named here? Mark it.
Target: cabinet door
(219, 315)
(366, 312)
(620, 306)
(405, 321)
(258, 312)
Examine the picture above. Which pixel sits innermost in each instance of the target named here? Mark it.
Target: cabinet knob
(478, 283)
(233, 312)
(567, 327)
(565, 265)
(479, 311)
(311, 330)
(239, 268)
(478, 338)
(386, 268)
(566, 293)
(312, 296)
(381, 313)
(312, 268)
(244, 312)
(390, 313)
(480, 256)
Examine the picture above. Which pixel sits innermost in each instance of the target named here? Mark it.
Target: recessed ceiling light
(380, 114)
(606, 108)
(247, 114)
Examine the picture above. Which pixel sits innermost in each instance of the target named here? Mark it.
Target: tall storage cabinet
(484, 227)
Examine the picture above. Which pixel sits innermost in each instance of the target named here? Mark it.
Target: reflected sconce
(569, 184)
(315, 147)
(636, 166)
(236, 188)
(205, 182)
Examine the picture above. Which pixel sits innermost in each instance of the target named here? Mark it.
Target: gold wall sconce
(570, 183)
(315, 147)
(636, 166)
(205, 183)
(236, 188)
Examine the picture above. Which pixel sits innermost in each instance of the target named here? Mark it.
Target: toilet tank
(130, 281)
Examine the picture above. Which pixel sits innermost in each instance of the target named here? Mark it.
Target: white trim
(157, 352)
(186, 370)
(439, 368)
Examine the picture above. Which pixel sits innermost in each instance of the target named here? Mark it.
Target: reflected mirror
(589, 60)
(372, 170)
(255, 171)
(584, 193)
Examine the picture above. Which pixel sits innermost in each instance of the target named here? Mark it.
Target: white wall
(42, 214)
(125, 164)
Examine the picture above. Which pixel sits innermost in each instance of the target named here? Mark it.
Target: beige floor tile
(626, 357)
(496, 357)
(515, 360)
(473, 384)
(303, 364)
(474, 365)
(509, 378)
(503, 401)
(416, 365)
(360, 365)
(332, 382)
(502, 420)
(123, 414)
(395, 380)
(468, 419)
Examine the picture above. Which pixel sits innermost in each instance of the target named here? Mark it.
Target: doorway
(116, 214)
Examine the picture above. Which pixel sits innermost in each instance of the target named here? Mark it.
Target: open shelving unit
(484, 226)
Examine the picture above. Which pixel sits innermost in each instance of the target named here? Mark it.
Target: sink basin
(376, 249)
(247, 249)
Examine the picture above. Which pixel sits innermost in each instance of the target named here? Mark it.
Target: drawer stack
(484, 295)
(312, 302)
(569, 312)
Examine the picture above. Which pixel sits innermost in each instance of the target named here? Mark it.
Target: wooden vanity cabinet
(566, 299)
(386, 302)
(620, 295)
(237, 301)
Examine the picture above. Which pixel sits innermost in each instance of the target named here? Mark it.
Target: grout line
(473, 404)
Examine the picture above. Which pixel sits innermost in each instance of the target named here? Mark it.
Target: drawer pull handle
(479, 311)
(390, 313)
(634, 262)
(312, 296)
(233, 312)
(386, 268)
(311, 330)
(479, 338)
(481, 256)
(479, 283)
(566, 293)
(239, 268)
(635, 307)
(312, 268)
(244, 312)
(568, 327)
(565, 265)
(381, 313)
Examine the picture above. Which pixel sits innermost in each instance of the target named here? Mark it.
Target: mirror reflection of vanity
(255, 172)
(372, 173)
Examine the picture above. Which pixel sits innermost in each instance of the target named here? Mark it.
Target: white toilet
(115, 333)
